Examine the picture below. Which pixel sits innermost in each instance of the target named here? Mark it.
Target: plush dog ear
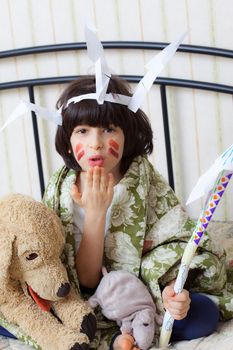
(6, 246)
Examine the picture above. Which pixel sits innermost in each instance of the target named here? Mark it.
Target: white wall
(202, 122)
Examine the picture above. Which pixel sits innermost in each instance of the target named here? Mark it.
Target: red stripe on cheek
(113, 153)
(114, 144)
(78, 147)
(80, 154)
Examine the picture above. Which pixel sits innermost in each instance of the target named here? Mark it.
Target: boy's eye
(80, 131)
(109, 130)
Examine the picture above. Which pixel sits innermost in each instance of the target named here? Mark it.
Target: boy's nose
(96, 146)
(96, 142)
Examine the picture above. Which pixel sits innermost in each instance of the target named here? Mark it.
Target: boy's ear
(6, 248)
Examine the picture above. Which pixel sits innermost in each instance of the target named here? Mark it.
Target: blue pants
(201, 321)
(4, 332)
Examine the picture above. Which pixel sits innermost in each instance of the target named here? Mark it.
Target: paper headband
(102, 74)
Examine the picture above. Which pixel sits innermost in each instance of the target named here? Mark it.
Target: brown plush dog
(31, 243)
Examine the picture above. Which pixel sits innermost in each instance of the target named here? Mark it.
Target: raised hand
(95, 197)
(97, 192)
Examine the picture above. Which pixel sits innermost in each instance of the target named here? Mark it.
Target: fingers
(181, 297)
(169, 291)
(169, 294)
(110, 185)
(101, 181)
(89, 178)
(96, 178)
(178, 309)
(178, 305)
(92, 179)
(97, 189)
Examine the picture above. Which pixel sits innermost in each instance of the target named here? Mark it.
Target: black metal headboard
(162, 82)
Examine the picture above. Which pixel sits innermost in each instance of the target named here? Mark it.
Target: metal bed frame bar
(142, 45)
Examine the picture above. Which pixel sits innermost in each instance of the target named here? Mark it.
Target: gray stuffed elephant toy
(126, 300)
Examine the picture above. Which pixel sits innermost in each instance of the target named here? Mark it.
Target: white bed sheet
(222, 339)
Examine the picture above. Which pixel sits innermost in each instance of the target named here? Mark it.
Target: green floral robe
(147, 235)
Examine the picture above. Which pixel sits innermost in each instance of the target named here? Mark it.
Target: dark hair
(136, 126)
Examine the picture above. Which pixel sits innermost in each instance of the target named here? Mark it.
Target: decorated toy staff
(213, 182)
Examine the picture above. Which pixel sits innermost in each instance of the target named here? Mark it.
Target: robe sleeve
(51, 196)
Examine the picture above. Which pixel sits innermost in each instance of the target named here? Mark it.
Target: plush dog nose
(63, 290)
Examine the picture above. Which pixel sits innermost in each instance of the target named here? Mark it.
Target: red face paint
(113, 152)
(114, 144)
(79, 154)
(78, 147)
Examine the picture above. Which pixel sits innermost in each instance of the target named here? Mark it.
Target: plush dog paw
(88, 326)
(77, 346)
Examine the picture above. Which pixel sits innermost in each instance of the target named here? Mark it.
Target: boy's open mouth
(96, 161)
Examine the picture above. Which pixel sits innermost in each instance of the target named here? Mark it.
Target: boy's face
(98, 146)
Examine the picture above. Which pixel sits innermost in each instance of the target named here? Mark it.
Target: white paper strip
(96, 54)
(25, 107)
(52, 116)
(20, 110)
(207, 180)
(76, 99)
(155, 66)
(116, 98)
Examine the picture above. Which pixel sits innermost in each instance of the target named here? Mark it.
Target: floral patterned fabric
(147, 235)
